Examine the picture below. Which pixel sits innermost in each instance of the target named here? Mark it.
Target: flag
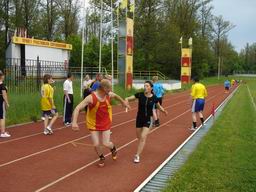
(132, 6)
(117, 11)
(123, 4)
(190, 41)
(180, 40)
(117, 3)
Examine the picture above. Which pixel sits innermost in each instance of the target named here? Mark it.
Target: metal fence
(25, 76)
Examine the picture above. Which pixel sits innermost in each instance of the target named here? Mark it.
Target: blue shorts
(198, 105)
(50, 113)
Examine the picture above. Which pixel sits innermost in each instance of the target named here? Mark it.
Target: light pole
(101, 18)
(112, 46)
(82, 54)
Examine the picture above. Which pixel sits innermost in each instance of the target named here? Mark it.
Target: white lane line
(63, 127)
(253, 103)
(57, 146)
(91, 163)
(123, 146)
(138, 189)
(63, 144)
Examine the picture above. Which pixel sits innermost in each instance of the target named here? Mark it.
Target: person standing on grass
(159, 93)
(4, 104)
(144, 119)
(99, 118)
(86, 86)
(97, 81)
(198, 94)
(47, 104)
(68, 99)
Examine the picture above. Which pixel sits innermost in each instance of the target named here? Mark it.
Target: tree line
(159, 25)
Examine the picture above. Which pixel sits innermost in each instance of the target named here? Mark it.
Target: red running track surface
(31, 161)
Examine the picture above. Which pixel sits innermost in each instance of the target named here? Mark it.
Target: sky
(241, 13)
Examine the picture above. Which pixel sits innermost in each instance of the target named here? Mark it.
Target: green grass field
(26, 107)
(225, 160)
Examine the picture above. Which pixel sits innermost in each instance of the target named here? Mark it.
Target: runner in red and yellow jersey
(99, 117)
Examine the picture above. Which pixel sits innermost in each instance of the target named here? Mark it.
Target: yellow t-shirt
(46, 94)
(198, 91)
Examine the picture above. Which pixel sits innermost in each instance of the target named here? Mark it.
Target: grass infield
(225, 160)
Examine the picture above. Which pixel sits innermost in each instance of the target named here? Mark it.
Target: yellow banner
(124, 4)
(129, 64)
(129, 24)
(186, 52)
(185, 71)
(41, 43)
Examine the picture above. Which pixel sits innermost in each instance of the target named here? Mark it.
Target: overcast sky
(241, 13)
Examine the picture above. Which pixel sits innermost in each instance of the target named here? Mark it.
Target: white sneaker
(5, 134)
(46, 132)
(136, 159)
(192, 129)
(49, 129)
(67, 124)
(43, 118)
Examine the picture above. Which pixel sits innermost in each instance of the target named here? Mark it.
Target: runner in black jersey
(144, 120)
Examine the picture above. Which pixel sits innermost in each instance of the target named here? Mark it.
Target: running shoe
(114, 153)
(46, 132)
(136, 159)
(192, 129)
(102, 161)
(49, 129)
(5, 135)
(43, 118)
(67, 124)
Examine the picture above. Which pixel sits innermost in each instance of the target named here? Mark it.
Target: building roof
(41, 43)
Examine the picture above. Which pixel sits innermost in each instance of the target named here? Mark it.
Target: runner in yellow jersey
(198, 94)
(47, 104)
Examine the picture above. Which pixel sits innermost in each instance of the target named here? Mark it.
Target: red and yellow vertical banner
(186, 61)
(129, 54)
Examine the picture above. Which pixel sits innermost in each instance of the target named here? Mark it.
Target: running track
(31, 161)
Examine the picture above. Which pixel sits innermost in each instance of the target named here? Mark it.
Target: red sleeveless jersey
(99, 114)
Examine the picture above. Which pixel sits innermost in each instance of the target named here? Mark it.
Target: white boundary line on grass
(123, 146)
(179, 148)
(251, 97)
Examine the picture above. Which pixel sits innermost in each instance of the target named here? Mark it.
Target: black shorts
(226, 88)
(144, 122)
(2, 110)
(86, 92)
(50, 113)
(160, 101)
